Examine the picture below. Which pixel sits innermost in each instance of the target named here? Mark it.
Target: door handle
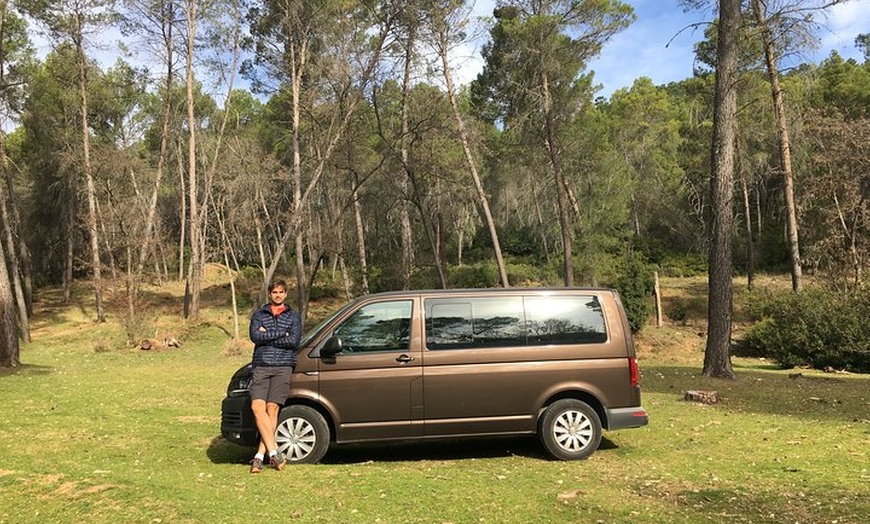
(404, 359)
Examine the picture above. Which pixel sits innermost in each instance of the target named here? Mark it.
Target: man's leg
(272, 410)
(261, 420)
(265, 424)
(276, 458)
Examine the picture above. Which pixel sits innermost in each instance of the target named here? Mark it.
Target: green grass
(92, 431)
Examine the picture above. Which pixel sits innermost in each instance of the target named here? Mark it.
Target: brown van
(558, 363)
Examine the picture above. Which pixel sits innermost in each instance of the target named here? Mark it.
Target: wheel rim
(573, 431)
(296, 438)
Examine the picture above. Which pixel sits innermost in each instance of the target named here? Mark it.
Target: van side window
(565, 320)
(462, 323)
(383, 326)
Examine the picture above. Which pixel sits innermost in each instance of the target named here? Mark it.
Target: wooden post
(658, 293)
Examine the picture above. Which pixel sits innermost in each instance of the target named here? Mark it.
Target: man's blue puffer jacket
(275, 337)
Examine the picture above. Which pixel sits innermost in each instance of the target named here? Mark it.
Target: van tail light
(633, 373)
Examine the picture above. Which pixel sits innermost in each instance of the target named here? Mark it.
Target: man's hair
(277, 283)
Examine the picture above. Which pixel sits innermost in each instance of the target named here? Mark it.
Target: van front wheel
(302, 434)
(570, 430)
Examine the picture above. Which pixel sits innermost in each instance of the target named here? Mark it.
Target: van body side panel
(370, 395)
(506, 397)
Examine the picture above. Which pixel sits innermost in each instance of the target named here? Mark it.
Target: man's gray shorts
(271, 384)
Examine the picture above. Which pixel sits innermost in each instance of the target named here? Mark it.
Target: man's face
(277, 296)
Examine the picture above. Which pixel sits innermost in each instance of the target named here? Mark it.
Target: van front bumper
(624, 418)
(237, 421)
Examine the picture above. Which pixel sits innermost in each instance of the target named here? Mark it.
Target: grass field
(92, 430)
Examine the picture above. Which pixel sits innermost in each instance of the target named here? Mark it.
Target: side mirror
(331, 347)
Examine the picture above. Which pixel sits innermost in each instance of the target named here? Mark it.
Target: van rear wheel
(302, 434)
(570, 430)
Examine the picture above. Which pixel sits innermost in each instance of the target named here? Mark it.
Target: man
(275, 331)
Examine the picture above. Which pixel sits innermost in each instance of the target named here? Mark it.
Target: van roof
(491, 291)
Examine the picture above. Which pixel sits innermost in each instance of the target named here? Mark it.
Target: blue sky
(660, 44)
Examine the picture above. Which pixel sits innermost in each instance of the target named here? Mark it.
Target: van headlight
(240, 384)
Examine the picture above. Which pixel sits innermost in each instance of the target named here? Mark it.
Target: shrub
(326, 289)
(636, 287)
(481, 274)
(525, 273)
(250, 273)
(684, 265)
(678, 311)
(816, 328)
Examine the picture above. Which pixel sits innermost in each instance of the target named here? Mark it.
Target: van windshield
(311, 333)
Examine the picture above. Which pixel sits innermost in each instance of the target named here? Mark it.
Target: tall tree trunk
(24, 259)
(11, 232)
(717, 355)
(232, 271)
(360, 236)
(96, 264)
(297, 74)
(750, 239)
(784, 145)
(561, 186)
(405, 216)
(482, 199)
(635, 215)
(442, 244)
(9, 356)
(436, 220)
(194, 274)
(849, 233)
(129, 324)
(539, 218)
(301, 277)
(182, 212)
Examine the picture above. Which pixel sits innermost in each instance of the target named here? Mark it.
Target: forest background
(354, 162)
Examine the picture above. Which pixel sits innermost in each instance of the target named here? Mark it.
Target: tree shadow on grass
(221, 451)
(449, 449)
(26, 370)
(766, 389)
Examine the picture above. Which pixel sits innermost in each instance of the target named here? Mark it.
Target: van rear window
(565, 320)
(465, 323)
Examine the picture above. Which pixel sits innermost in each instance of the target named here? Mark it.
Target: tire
(570, 430)
(302, 434)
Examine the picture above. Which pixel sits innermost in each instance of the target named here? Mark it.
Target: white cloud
(844, 22)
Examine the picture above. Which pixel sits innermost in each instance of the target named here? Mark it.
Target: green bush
(636, 287)
(250, 273)
(816, 328)
(522, 272)
(688, 265)
(481, 274)
(326, 289)
(678, 311)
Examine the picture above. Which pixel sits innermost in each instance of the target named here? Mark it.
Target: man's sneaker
(277, 461)
(256, 465)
